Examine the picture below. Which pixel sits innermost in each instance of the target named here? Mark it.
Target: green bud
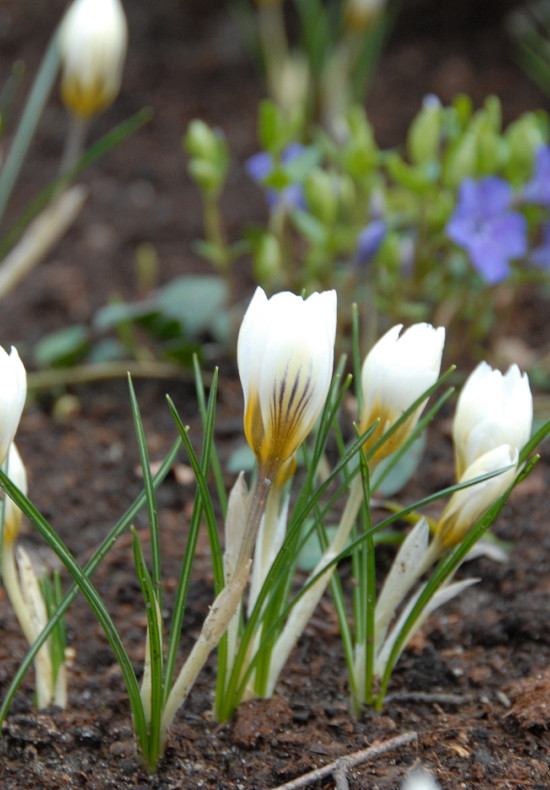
(424, 137)
(522, 138)
(347, 195)
(202, 142)
(411, 177)
(320, 193)
(268, 264)
(491, 151)
(360, 152)
(207, 175)
(460, 161)
(492, 112)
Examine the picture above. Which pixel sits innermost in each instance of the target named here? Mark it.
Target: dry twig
(340, 767)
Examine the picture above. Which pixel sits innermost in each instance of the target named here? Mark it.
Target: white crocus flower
(492, 409)
(468, 505)
(15, 469)
(285, 356)
(93, 43)
(13, 378)
(396, 371)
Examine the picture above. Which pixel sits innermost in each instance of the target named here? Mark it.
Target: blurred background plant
(445, 229)
(318, 57)
(530, 28)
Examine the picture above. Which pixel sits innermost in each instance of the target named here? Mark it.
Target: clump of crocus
(395, 373)
(18, 575)
(492, 423)
(93, 41)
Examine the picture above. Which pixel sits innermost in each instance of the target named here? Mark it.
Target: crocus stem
(214, 234)
(215, 625)
(260, 494)
(268, 543)
(301, 613)
(11, 583)
(31, 629)
(74, 142)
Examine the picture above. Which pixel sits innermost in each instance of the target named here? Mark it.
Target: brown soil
(474, 686)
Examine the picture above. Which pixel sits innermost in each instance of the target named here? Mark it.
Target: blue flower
(537, 190)
(260, 166)
(369, 241)
(486, 228)
(541, 254)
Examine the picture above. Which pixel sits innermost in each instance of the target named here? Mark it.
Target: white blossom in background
(93, 42)
(360, 14)
(396, 371)
(13, 392)
(492, 409)
(285, 356)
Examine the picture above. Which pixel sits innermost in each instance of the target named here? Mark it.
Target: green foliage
(172, 323)
(321, 199)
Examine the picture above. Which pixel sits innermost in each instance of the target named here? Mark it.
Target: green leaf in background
(310, 227)
(62, 348)
(194, 301)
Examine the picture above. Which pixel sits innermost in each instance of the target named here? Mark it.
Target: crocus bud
(468, 505)
(285, 356)
(93, 43)
(15, 469)
(360, 14)
(424, 137)
(396, 371)
(492, 410)
(320, 195)
(12, 399)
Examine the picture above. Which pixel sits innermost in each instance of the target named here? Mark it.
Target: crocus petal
(15, 469)
(14, 391)
(467, 506)
(396, 371)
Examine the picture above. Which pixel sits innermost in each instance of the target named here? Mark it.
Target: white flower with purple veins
(260, 166)
(486, 227)
(537, 190)
(285, 356)
(13, 378)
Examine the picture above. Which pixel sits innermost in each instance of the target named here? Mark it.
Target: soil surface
(474, 687)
